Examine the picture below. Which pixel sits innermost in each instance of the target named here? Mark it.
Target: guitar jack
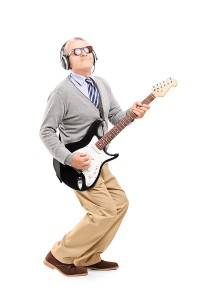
(80, 183)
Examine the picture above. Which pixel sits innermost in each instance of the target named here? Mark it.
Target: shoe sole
(106, 269)
(53, 267)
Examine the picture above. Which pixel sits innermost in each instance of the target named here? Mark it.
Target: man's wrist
(68, 159)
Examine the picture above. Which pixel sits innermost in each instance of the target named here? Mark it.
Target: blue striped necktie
(92, 91)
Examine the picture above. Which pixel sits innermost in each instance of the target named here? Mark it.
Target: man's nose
(83, 53)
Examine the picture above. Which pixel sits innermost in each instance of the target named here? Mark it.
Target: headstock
(160, 89)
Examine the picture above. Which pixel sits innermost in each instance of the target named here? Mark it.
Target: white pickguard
(98, 157)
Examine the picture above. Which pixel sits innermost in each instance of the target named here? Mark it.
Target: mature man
(72, 107)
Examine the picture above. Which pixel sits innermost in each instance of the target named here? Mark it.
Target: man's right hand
(80, 161)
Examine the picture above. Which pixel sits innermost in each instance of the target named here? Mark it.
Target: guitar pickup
(96, 149)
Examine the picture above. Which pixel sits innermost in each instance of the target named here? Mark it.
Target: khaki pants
(106, 205)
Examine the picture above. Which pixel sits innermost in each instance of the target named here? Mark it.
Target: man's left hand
(139, 109)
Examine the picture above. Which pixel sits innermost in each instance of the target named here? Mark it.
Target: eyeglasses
(78, 51)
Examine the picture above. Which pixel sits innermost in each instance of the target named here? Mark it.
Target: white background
(138, 43)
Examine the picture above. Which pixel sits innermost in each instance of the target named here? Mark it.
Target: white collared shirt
(80, 83)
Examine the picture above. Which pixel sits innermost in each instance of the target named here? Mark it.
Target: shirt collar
(80, 79)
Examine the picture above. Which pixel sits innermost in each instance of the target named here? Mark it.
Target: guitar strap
(100, 104)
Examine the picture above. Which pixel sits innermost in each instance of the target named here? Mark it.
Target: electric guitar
(94, 146)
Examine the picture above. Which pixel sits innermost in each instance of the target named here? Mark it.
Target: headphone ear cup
(65, 62)
(64, 59)
(94, 57)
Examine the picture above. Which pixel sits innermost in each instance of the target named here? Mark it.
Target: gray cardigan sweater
(72, 113)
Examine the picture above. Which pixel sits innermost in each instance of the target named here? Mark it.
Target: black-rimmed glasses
(78, 51)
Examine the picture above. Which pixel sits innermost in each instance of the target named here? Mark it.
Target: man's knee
(107, 216)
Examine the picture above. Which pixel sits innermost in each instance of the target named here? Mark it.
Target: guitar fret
(104, 142)
(119, 126)
(99, 145)
(114, 133)
(111, 135)
(132, 114)
(107, 139)
(116, 129)
(123, 121)
(148, 99)
(130, 119)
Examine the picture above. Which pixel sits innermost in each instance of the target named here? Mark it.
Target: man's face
(81, 63)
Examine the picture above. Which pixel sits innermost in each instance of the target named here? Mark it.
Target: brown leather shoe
(66, 269)
(104, 266)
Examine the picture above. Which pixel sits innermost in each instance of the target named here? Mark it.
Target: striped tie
(92, 91)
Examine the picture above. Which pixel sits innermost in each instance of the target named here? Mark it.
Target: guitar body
(83, 180)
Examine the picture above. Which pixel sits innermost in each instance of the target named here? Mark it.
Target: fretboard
(111, 134)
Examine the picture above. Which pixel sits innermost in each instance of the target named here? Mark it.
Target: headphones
(64, 59)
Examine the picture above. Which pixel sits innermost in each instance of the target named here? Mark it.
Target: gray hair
(72, 40)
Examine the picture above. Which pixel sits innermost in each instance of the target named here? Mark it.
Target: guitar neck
(111, 134)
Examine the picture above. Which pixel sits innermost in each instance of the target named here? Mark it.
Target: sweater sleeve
(53, 116)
